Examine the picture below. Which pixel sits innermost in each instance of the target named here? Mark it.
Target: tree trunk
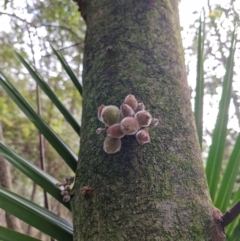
(155, 191)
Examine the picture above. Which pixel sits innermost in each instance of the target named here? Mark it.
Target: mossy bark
(155, 191)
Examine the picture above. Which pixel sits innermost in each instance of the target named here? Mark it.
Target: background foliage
(30, 27)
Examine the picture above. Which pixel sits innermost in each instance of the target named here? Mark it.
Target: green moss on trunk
(156, 191)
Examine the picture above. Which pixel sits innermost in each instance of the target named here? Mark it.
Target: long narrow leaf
(37, 175)
(231, 227)
(36, 216)
(214, 161)
(229, 178)
(63, 150)
(198, 110)
(10, 235)
(69, 71)
(236, 232)
(51, 95)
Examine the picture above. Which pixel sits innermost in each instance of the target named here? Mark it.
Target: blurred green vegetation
(29, 27)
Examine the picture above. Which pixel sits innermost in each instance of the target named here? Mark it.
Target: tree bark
(156, 191)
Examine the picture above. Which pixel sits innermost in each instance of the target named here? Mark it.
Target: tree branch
(15, 16)
(231, 214)
(70, 46)
(81, 7)
(45, 25)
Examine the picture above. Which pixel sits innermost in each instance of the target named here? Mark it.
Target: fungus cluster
(66, 192)
(130, 119)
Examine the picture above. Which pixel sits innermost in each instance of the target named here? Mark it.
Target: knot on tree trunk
(219, 232)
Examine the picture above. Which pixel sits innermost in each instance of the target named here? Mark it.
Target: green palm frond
(233, 227)
(198, 109)
(36, 216)
(221, 189)
(51, 95)
(224, 194)
(215, 156)
(68, 70)
(37, 175)
(63, 150)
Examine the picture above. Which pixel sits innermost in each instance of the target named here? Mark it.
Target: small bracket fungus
(112, 145)
(130, 119)
(131, 101)
(126, 110)
(154, 122)
(115, 131)
(144, 118)
(100, 109)
(129, 125)
(142, 136)
(110, 115)
(140, 106)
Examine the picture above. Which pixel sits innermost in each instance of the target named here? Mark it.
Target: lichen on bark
(156, 191)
